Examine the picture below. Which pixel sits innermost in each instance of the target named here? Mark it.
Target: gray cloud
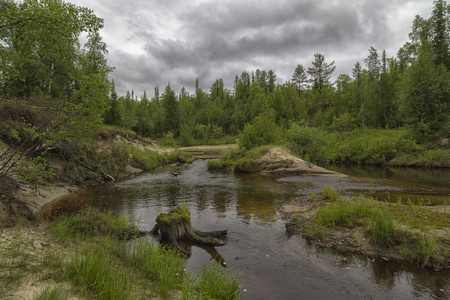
(154, 42)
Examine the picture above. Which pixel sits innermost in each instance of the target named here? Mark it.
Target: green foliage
(309, 143)
(89, 223)
(371, 146)
(40, 40)
(97, 267)
(425, 94)
(368, 146)
(148, 160)
(381, 226)
(85, 165)
(58, 87)
(345, 122)
(36, 171)
(238, 160)
(169, 139)
(346, 213)
(329, 193)
(426, 251)
(247, 165)
(56, 293)
(262, 131)
(213, 283)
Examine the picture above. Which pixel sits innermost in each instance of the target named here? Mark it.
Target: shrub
(262, 131)
(310, 143)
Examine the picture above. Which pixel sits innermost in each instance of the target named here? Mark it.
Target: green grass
(329, 193)
(346, 213)
(149, 160)
(425, 251)
(417, 216)
(55, 293)
(426, 158)
(382, 223)
(239, 160)
(104, 267)
(89, 259)
(381, 226)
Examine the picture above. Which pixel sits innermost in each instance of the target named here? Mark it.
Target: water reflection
(271, 265)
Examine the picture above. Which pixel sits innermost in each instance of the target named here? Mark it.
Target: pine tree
(440, 33)
(300, 79)
(320, 72)
(170, 108)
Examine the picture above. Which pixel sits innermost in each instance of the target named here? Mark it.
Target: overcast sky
(153, 42)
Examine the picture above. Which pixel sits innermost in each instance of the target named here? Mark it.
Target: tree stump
(175, 226)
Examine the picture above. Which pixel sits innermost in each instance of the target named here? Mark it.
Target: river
(271, 264)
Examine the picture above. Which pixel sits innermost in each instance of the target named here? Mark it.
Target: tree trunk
(176, 226)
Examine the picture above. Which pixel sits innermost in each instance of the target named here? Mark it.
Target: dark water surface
(272, 265)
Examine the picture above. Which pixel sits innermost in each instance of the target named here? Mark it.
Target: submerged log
(175, 226)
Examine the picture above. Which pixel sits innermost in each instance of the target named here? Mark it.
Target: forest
(386, 106)
(394, 102)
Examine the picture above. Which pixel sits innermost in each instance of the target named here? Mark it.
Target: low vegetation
(393, 228)
(87, 257)
(239, 160)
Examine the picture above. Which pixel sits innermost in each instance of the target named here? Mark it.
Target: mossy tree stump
(175, 226)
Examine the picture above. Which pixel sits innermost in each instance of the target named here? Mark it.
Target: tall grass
(345, 212)
(105, 267)
(382, 226)
(163, 265)
(149, 160)
(355, 212)
(49, 293)
(329, 193)
(239, 160)
(94, 273)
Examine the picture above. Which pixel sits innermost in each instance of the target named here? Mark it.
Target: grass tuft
(382, 226)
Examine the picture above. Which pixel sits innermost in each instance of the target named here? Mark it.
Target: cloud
(154, 42)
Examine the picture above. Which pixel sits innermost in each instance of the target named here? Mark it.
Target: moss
(175, 216)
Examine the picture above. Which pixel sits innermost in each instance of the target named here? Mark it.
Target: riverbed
(269, 263)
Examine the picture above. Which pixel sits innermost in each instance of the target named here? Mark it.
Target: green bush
(361, 146)
(247, 165)
(261, 131)
(310, 143)
(372, 146)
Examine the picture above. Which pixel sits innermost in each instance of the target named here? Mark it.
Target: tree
(440, 33)
(39, 48)
(112, 116)
(128, 111)
(320, 72)
(169, 105)
(41, 61)
(425, 96)
(358, 80)
(300, 79)
(261, 131)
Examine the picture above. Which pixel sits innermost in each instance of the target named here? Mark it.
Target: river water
(271, 264)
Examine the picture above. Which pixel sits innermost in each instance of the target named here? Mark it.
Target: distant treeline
(411, 89)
